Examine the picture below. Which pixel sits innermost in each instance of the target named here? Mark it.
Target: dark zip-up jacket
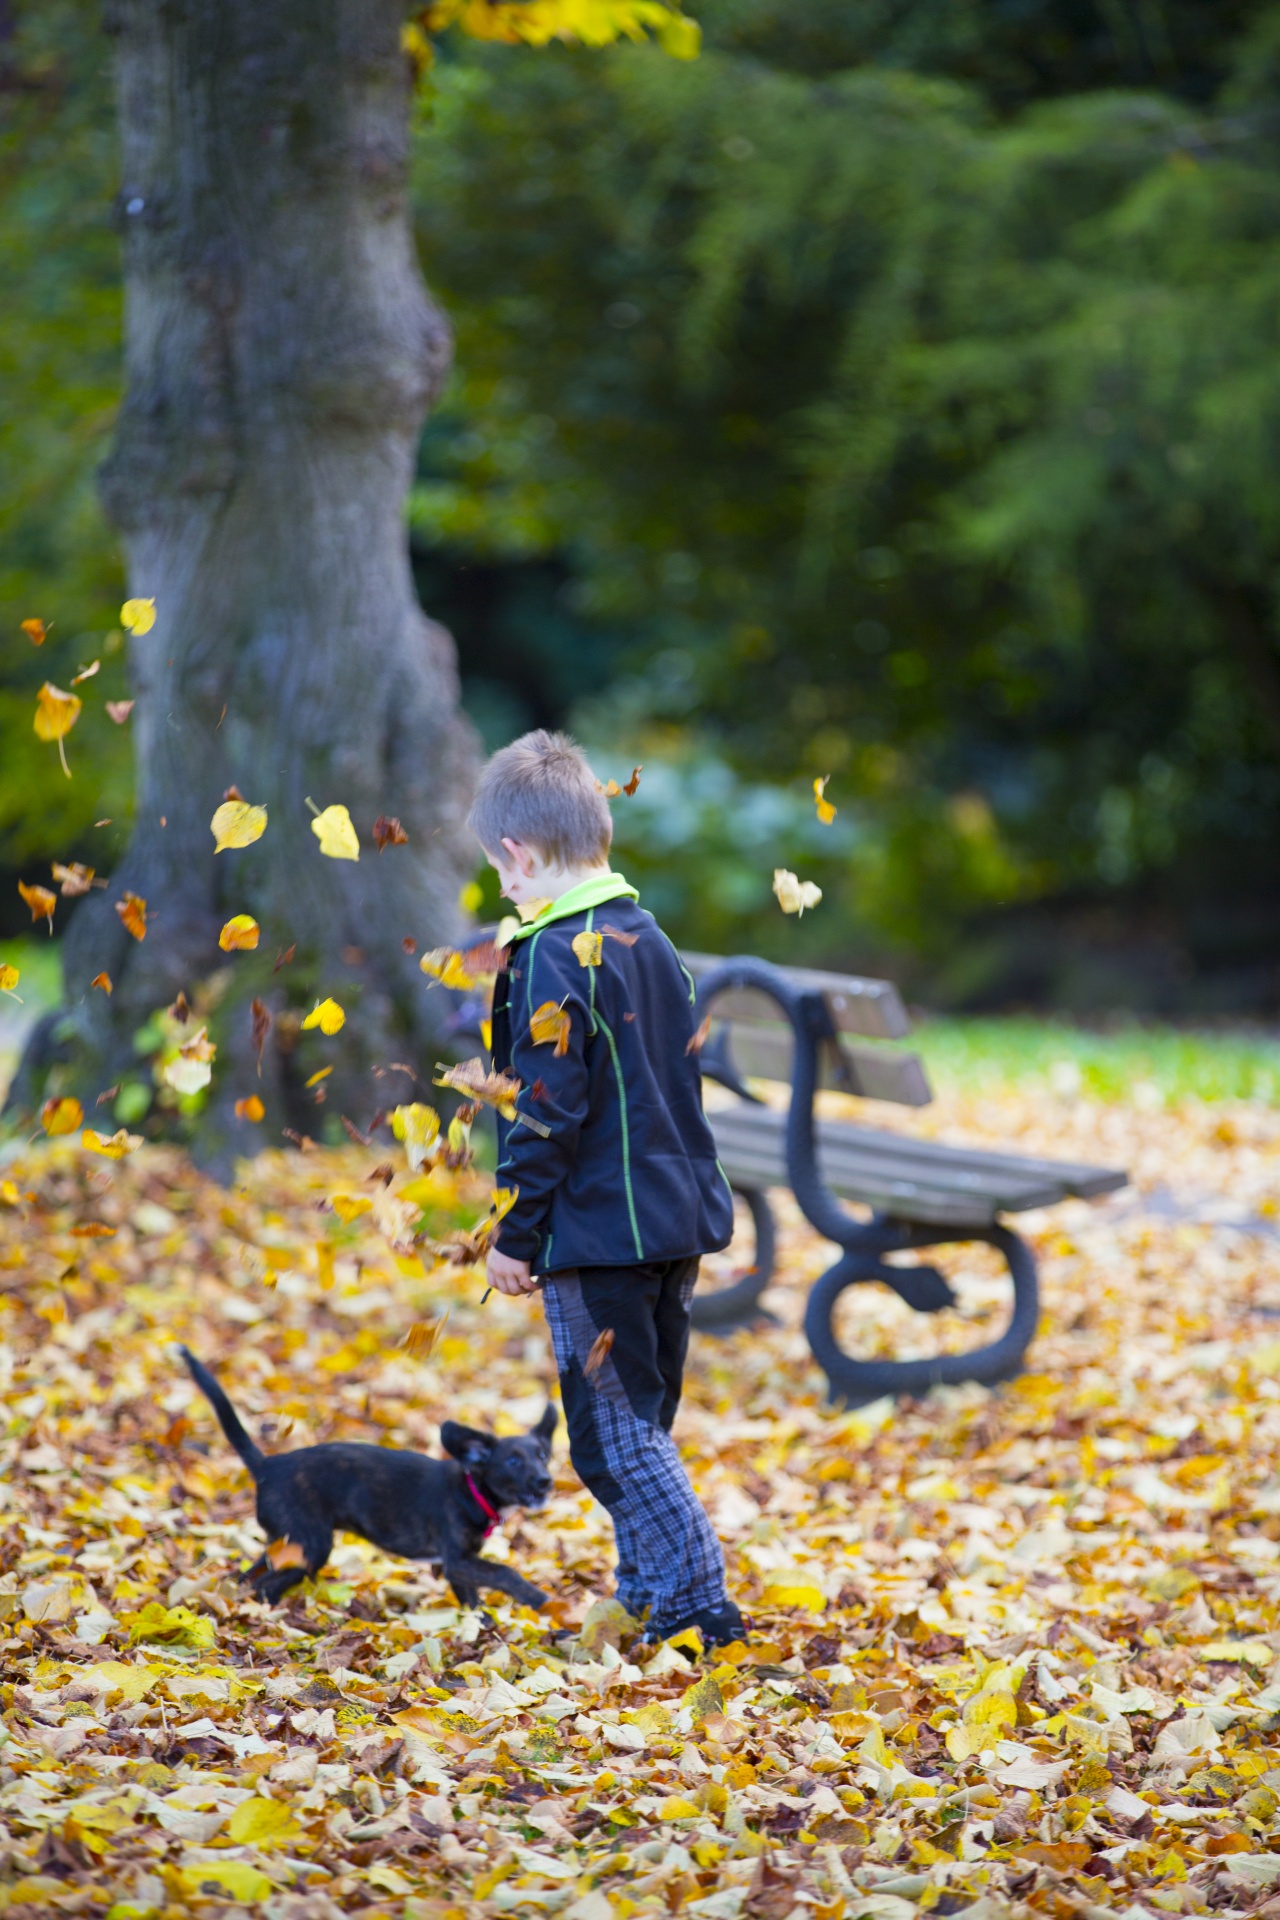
(626, 1170)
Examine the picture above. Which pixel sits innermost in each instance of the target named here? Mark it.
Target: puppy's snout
(539, 1490)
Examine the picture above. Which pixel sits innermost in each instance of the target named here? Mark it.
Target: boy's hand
(508, 1275)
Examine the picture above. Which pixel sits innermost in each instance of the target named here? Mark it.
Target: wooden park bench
(811, 1029)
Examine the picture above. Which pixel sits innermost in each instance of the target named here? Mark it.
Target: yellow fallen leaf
(172, 1624)
(313, 1080)
(793, 1590)
(133, 913)
(250, 1108)
(56, 714)
(234, 1879)
(588, 948)
(240, 935)
(237, 824)
(531, 909)
(138, 616)
(263, 1823)
(9, 977)
(349, 1206)
(677, 1807)
(327, 1015)
(550, 1023)
(794, 895)
(337, 836)
(112, 1146)
(61, 1116)
(826, 812)
(445, 964)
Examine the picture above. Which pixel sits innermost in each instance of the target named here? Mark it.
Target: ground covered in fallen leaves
(1010, 1652)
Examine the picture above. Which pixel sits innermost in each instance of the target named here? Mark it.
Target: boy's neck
(557, 881)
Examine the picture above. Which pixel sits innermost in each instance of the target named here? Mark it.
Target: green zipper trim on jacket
(528, 990)
(626, 1136)
(591, 972)
(690, 981)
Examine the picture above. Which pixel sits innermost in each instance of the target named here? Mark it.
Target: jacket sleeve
(531, 1160)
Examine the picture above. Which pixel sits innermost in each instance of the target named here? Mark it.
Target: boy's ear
(546, 1426)
(466, 1444)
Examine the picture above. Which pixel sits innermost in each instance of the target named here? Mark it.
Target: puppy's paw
(534, 1597)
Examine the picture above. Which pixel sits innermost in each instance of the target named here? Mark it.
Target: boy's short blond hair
(541, 791)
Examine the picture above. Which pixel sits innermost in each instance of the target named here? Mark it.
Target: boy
(618, 1187)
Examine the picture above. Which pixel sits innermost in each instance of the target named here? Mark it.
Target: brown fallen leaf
(550, 1023)
(303, 1141)
(354, 1134)
(284, 956)
(285, 1553)
(471, 1077)
(73, 878)
(93, 1230)
(698, 1039)
(181, 1008)
(102, 980)
(409, 944)
(601, 1348)
(261, 1014)
(421, 1338)
(616, 933)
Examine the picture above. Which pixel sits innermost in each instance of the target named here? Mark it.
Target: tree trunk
(281, 354)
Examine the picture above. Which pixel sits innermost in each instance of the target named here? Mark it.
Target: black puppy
(405, 1503)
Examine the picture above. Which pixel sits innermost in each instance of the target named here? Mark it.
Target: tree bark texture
(282, 351)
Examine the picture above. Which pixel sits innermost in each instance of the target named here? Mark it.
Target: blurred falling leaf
(388, 833)
(349, 1206)
(550, 1023)
(236, 824)
(86, 673)
(138, 616)
(133, 913)
(531, 909)
(112, 1146)
(261, 1027)
(698, 1039)
(250, 1108)
(601, 1348)
(588, 948)
(418, 1126)
(794, 895)
(56, 714)
(826, 812)
(119, 710)
(9, 977)
(240, 935)
(420, 1340)
(285, 1553)
(41, 902)
(337, 836)
(74, 879)
(474, 1079)
(61, 1116)
(314, 1079)
(102, 980)
(192, 1068)
(35, 631)
(445, 964)
(327, 1015)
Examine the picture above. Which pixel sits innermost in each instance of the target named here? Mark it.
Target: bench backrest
(760, 1042)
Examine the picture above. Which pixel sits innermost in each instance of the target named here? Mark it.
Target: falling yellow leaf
(476, 1082)
(315, 1078)
(250, 1108)
(337, 836)
(240, 935)
(9, 977)
(794, 895)
(601, 1348)
(41, 902)
(138, 616)
(86, 673)
(73, 879)
(237, 824)
(102, 980)
(112, 1146)
(419, 1342)
(327, 1015)
(192, 1069)
(349, 1206)
(501, 1201)
(56, 714)
(418, 1126)
(61, 1116)
(550, 1023)
(133, 912)
(588, 948)
(826, 812)
(445, 964)
(35, 631)
(532, 908)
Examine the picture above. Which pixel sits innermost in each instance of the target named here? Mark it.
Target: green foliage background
(891, 393)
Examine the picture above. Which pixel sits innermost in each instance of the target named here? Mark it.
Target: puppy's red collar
(490, 1513)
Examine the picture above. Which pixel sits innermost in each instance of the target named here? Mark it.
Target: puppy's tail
(228, 1420)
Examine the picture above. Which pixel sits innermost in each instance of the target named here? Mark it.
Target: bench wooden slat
(931, 1183)
(870, 1072)
(870, 1007)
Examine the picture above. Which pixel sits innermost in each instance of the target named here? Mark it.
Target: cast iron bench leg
(738, 1305)
(857, 1382)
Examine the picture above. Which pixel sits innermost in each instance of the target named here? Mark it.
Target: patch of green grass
(1147, 1066)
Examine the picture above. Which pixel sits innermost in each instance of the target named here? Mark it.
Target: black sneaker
(718, 1625)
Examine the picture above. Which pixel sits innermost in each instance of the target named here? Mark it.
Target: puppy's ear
(466, 1444)
(546, 1426)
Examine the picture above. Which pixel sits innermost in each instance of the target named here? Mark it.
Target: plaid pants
(619, 1418)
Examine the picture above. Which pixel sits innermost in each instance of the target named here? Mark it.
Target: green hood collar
(588, 893)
